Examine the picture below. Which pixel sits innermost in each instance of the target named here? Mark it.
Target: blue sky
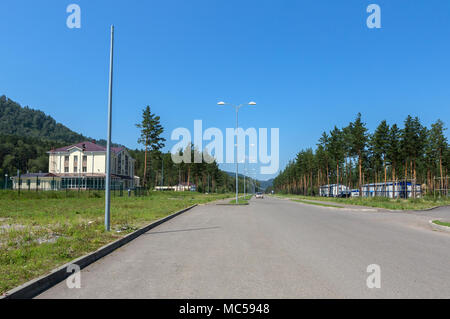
(309, 65)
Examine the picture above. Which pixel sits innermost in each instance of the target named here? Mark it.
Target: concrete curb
(358, 208)
(439, 227)
(370, 208)
(37, 286)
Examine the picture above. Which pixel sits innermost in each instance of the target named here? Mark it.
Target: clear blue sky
(310, 65)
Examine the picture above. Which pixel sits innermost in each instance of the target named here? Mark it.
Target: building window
(119, 169)
(66, 164)
(84, 164)
(75, 164)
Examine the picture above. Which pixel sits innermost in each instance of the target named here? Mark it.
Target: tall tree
(413, 140)
(380, 146)
(438, 145)
(323, 141)
(336, 149)
(393, 149)
(151, 130)
(359, 142)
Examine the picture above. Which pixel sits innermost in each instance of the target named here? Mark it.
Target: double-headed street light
(237, 107)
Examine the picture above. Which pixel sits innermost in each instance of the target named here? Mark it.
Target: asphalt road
(275, 249)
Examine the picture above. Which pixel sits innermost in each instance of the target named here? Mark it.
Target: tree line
(24, 154)
(353, 156)
(158, 169)
(26, 135)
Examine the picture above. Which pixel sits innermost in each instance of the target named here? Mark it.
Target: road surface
(275, 248)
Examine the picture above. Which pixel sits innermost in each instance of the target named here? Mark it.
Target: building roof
(87, 147)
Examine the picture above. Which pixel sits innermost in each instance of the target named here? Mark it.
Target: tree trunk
(189, 176)
(441, 184)
(145, 167)
(328, 176)
(337, 179)
(360, 171)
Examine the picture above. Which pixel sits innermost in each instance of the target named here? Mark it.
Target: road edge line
(38, 285)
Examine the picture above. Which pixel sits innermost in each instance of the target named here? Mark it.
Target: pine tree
(438, 145)
(359, 142)
(151, 130)
(393, 149)
(380, 146)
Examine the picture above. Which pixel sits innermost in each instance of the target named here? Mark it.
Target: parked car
(259, 195)
(345, 194)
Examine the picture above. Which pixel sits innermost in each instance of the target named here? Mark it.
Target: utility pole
(237, 107)
(108, 147)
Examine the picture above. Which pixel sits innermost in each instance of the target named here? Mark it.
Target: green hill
(26, 135)
(26, 122)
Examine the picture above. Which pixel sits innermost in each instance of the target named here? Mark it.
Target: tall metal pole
(237, 180)
(108, 147)
(245, 172)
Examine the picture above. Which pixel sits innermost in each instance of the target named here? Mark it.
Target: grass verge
(379, 202)
(241, 200)
(438, 222)
(43, 231)
(315, 203)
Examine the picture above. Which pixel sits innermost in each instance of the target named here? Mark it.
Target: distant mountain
(21, 121)
(266, 184)
(26, 122)
(263, 184)
(233, 174)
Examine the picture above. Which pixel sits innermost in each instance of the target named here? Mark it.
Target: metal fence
(441, 187)
(68, 186)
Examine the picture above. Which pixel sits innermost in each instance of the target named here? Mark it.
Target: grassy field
(380, 202)
(40, 231)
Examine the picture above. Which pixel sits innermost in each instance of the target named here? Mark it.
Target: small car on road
(259, 195)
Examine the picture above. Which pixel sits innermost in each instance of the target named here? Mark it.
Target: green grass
(241, 200)
(438, 222)
(40, 231)
(379, 202)
(314, 203)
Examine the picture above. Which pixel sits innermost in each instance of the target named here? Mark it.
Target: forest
(26, 135)
(353, 156)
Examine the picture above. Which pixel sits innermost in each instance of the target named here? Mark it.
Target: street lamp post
(6, 181)
(108, 145)
(237, 107)
(244, 179)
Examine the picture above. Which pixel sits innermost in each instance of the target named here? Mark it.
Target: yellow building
(83, 165)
